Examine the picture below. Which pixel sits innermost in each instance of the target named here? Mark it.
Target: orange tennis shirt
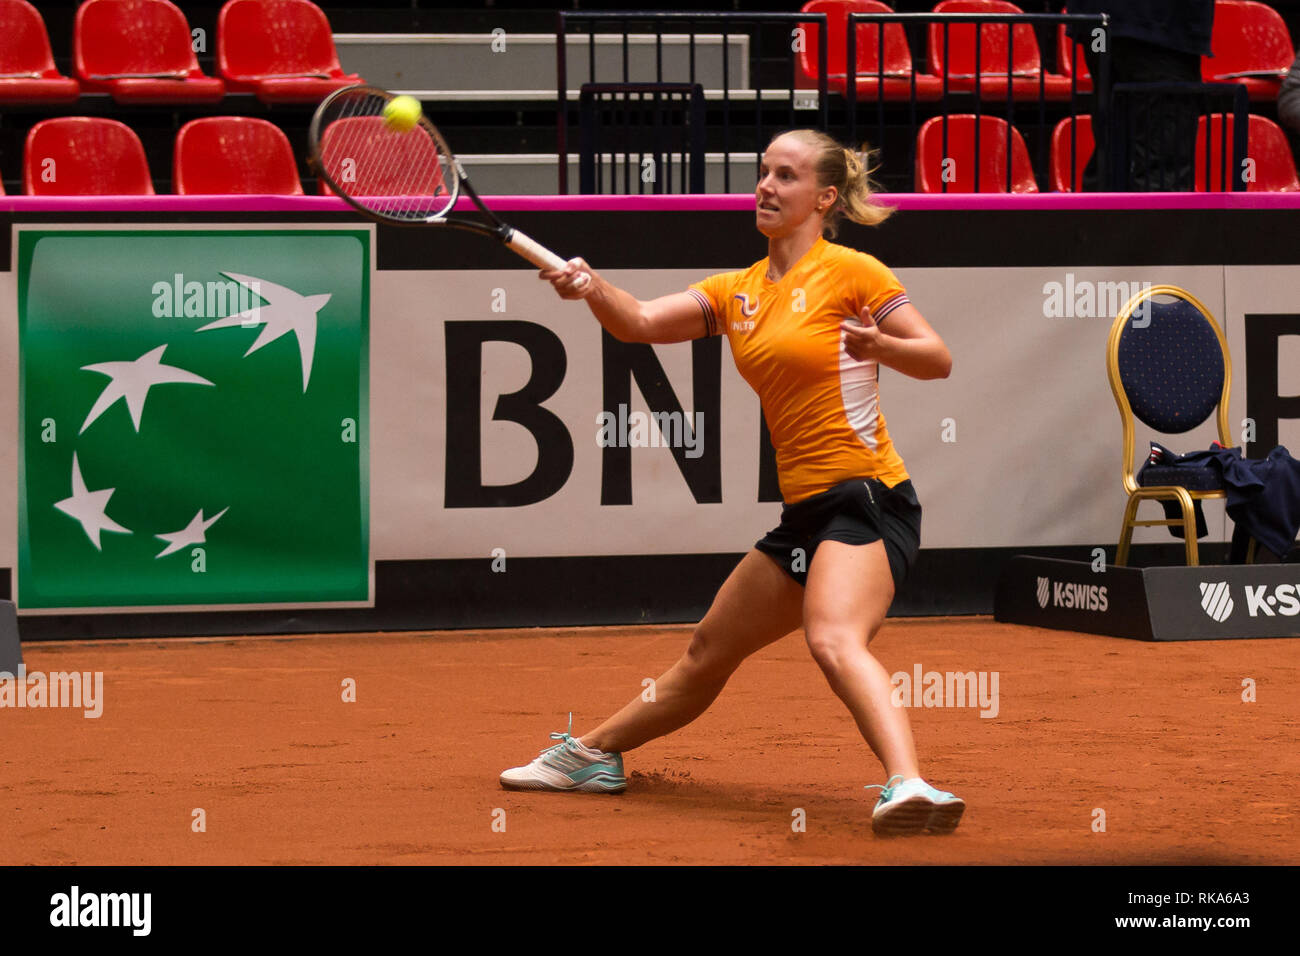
(822, 406)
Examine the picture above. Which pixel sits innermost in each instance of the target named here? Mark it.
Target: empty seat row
(141, 51)
(215, 155)
(1250, 42)
(950, 166)
(79, 155)
(93, 156)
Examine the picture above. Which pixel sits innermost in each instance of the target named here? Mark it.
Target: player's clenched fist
(862, 339)
(574, 281)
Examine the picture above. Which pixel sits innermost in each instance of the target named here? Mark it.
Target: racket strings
(399, 175)
(429, 174)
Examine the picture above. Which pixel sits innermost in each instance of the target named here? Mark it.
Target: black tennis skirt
(858, 511)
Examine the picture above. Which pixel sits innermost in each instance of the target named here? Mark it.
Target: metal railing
(653, 131)
(771, 67)
(1020, 104)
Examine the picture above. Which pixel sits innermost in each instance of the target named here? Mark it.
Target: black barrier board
(1208, 602)
(1071, 596)
(11, 651)
(1216, 601)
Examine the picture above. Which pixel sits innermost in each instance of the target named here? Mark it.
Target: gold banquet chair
(1169, 368)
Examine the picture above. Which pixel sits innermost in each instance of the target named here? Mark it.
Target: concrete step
(537, 174)
(475, 62)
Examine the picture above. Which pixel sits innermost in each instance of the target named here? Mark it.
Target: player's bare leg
(849, 591)
(757, 604)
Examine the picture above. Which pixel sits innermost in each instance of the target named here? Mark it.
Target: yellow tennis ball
(402, 113)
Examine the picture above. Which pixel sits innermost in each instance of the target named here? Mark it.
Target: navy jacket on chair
(1263, 494)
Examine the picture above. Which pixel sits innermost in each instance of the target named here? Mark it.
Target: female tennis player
(851, 517)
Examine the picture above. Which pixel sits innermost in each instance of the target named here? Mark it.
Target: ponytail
(856, 201)
(850, 173)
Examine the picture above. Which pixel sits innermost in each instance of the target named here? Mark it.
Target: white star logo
(88, 507)
(192, 533)
(132, 381)
(286, 311)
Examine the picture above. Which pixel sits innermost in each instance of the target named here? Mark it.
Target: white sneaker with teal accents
(569, 766)
(913, 806)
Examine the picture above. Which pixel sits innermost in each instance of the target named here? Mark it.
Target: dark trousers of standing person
(1288, 107)
(1161, 126)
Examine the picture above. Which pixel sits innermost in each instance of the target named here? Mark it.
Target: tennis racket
(409, 178)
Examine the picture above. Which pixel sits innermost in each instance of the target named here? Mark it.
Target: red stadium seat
(1266, 146)
(1248, 38)
(897, 57)
(1065, 67)
(233, 154)
(381, 162)
(140, 52)
(932, 162)
(282, 50)
(1084, 144)
(84, 156)
(994, 43)
(27, 71)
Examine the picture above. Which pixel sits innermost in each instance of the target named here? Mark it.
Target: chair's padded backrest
(1172, 370)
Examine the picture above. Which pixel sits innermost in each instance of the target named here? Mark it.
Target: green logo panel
(193, 417)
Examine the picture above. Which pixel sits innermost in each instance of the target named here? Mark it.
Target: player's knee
(831, 647)
(707, 658)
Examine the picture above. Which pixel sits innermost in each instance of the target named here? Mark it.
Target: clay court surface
(255, 732)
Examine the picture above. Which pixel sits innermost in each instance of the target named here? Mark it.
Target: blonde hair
(850, 173)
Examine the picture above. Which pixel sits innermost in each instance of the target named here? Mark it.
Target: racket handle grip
(534, 251)
(538, 254)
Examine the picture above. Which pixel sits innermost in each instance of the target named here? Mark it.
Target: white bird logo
(192, 533)
(88, 507)
(286, 311)
(132, 381)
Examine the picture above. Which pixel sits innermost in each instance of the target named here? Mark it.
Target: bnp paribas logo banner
(193, 417)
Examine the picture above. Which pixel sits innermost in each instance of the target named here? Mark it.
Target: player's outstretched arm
(669, 318)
